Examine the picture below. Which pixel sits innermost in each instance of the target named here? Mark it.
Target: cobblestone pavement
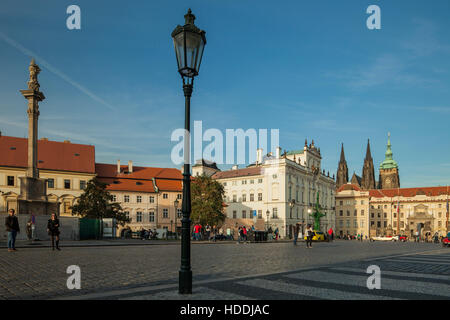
(233, 271)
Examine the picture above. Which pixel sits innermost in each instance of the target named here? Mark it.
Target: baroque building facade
(278, 190)
(388, 212)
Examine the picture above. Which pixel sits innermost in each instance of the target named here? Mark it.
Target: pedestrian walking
(244, 233)
(208, 232)
(330, 234)
(309, 236)
(53, 231)
(29, 230)
(296, 227)
(12, 227)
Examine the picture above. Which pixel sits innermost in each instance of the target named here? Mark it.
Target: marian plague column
(33, 190)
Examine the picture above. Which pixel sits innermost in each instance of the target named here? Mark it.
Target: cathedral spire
(342, 153)
(368, 154)
(368, 172)
(342, 171)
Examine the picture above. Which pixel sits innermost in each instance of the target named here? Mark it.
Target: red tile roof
(140, 180)
(409, 192)
(349, 186)
(52, 155)
(403, 192)
(254, 171)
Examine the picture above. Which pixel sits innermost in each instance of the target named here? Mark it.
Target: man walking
(295, 234)
(309, 236)
(12, 227)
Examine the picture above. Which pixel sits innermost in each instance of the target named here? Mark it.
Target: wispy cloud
(55, 71)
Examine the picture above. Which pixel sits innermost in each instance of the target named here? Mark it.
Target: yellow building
(151, 197)
(379, 212)
(66, 166)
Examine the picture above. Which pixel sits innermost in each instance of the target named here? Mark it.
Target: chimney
(259, 156)
(278, 153)
(118, 166)
(130, 166)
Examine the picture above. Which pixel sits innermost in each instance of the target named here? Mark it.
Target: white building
(281, 189)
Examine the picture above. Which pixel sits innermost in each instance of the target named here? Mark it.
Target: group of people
(13, 228)
(206, 233)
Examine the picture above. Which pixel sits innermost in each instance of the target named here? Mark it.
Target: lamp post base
(185, 282)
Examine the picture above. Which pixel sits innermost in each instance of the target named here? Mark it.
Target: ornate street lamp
(189, 42)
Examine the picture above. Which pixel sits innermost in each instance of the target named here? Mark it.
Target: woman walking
(309, 236)
(53, 230)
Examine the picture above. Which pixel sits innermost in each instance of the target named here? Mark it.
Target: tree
(97, 203)
(207, 197)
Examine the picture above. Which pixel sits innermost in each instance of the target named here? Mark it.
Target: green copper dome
(388, 162)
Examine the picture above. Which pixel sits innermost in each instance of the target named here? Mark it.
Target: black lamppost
(291, 206)
(175, 204)
(189, 42)
(267, 220)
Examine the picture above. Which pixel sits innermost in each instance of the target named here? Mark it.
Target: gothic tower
(368, 171)
(342, 172)
(389, 177)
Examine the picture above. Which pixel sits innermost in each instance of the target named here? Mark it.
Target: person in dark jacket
(53, 230)
(12, 227)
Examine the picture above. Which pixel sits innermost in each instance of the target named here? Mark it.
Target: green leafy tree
(97, 203)
(207, 197)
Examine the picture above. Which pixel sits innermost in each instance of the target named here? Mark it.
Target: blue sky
(309, 68)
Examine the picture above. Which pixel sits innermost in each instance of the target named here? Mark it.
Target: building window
(10, 181)
(224, 184)
(362, 223)
(165, 196)
(341, 223)
(341, 203)
(152, 199)
(355, 223)
(347, 223)
(165, 213)
(252, 181)
(244, 182)
(114, 198)
(348, 213)
(127, 214)
(259, 180)
(440, 214)
(385, 224)
(234, 214)
(151, 216)
(385, 215)
(341, 213)
(275, 213)
(82, 184)
(138, 199)
(179, 196)
(244, 214)
(139, 216)
(362, 201)
(378, 224)
(355, 213)
(259, 196)
(66, 184)
(259, 214)
(234, 198)
(362, 212)
(252, 197)
(126, 198)
(51, 183)
(180, 213)
(244, 197)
